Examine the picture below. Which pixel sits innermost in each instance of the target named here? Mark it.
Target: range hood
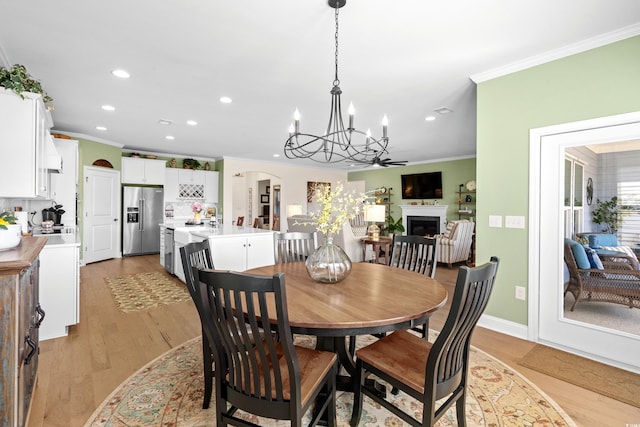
(53, 160)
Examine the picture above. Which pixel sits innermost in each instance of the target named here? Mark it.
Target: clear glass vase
(329, 263)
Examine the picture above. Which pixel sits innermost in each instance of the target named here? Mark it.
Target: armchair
(590, 280)
(455, 244)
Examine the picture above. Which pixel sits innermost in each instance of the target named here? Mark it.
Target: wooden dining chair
(256, 223)
(271, 377)
(425, 371)
(240, 221)
(415, 253)
(198, 255)
(294, 246)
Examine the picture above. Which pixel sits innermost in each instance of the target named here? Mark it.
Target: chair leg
(208, 371)
(357, 394)
(332, 413)
(460, 406)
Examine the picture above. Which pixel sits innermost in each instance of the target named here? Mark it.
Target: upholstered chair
(454, 245)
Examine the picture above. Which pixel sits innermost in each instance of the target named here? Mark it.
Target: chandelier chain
(336, 81)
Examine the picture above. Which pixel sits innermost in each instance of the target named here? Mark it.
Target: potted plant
(18, 80)
(190, 164)
(607, 214)
(394, 226)
(10, 232)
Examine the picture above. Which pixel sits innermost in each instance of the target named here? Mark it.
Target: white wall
(293, 180)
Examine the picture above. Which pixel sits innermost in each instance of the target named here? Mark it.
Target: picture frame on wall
(264, 198)
(268, 189)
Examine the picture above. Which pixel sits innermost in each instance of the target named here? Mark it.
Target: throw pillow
(594, 259)
(580, 255)
(599, 240)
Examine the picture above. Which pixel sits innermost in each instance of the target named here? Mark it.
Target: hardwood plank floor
(77, 372)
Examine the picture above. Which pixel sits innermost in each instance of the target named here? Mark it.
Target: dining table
(372, 299)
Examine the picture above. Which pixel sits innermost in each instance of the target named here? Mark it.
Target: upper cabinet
(24, 134)
(189, 184)
(136, 170)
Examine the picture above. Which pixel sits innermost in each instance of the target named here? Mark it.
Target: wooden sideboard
(20, 317)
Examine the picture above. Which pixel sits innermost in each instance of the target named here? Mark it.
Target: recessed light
(101, 128)
(276, 155)
(123, 74)
(108, 107)
(165, 122)
(225, 100)
(429, 118)
(192, 122)
(170, 137)
(443, 110)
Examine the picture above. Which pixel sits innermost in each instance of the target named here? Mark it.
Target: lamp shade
(294, 210)
(375, 213)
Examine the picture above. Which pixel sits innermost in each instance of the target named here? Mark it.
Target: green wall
(600, 82)
(454, 173)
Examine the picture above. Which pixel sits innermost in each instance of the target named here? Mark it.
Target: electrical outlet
(520, 293)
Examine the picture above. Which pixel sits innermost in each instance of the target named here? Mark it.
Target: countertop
(227, 230)
(15, 259)
(62, 240)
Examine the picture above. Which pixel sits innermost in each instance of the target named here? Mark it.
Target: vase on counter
(10, 238)
(329, 263)
(196, 218)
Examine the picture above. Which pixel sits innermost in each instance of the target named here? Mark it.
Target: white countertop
(227, 230)
(61, 240)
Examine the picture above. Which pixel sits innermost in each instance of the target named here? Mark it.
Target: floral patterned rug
(169, 391)
(141, 291)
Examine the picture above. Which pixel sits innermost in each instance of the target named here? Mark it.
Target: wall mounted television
(427, 185)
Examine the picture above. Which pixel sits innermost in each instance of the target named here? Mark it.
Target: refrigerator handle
(141, 215)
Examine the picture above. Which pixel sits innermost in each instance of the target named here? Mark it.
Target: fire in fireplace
(423, 225)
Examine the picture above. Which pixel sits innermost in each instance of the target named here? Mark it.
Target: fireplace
(424, 219)
(423, 225)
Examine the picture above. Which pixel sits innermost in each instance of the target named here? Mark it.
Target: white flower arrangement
(337, 207)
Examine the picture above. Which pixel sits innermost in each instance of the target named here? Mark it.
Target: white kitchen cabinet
(191, 176)
(162, 243)
(171, 185)
(239, 253)
(136, 170)
(23, 138)
(211, 187)
(59, 288)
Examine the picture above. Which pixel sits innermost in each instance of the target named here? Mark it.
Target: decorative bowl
(10, 238)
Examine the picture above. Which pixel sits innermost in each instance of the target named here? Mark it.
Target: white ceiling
(401, 58)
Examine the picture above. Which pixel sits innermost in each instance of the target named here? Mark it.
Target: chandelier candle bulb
(296, 119)
(385, 123)
(351, 113)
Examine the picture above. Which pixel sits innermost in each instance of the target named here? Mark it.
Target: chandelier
(338, 143)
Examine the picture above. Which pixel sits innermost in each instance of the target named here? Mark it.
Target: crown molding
(87, 137)
(552, 55)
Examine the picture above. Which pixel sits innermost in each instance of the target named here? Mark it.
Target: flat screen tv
(427, 185)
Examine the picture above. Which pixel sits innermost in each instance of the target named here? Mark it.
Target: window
(573, 197)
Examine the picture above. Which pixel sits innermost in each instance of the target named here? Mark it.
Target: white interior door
(546, 283)
(101, 230)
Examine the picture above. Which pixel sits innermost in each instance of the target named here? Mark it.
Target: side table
(377, 244)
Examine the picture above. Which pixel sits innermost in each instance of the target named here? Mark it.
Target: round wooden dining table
(372, 299)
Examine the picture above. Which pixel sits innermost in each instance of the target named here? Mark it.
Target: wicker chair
(616, 282)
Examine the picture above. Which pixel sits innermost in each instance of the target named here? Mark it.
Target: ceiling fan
(387, 162)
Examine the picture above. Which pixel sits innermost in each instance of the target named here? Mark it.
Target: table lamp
(373, 214)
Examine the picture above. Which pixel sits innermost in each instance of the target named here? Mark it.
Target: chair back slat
(244, 305)
(415, 253)
(449, 353)
(294, 246)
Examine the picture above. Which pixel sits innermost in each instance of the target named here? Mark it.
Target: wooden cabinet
(136, 170)
(59, 289)
(20, 318)
(24, 135)
(239, 253)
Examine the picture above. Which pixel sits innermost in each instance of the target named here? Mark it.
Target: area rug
(169, 392)
(142, 291)
(595, 376)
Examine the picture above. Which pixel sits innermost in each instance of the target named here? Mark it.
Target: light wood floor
(77, 372)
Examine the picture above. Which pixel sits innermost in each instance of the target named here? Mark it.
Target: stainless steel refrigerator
(142, 215)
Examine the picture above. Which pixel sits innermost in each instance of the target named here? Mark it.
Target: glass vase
(329, 263)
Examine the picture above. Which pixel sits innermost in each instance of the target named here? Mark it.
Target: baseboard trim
(503, 326)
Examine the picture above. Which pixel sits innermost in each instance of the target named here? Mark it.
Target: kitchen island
(232, 247)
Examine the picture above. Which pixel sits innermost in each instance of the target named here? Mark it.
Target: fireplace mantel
(424, 210)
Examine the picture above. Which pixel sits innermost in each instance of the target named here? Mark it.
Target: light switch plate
(495, 221)
(514, 221)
